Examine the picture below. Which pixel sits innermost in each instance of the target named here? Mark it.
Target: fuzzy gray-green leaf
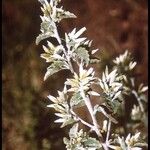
(92, 143)
(47, 29)
(67, 122)
(54, 68)
(77, 100)
(83, 55)
(43, 36)
(73, 131)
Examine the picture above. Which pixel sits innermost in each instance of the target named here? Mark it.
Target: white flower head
(81, 81)
(136, 113)
(110, 83)
(72, 38)
(52, 52)
(125, 61)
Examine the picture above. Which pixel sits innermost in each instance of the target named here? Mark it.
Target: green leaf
(94, 61)
(66, 141)
(47, 29)
(67, 122)
(82, 54)
(113, 105)
(47, 57)
(43, 36)
(103, 109)
(73, 131)
(61, 14)
(54, 68)
(77, 100)
(92, 143)
(141, 144)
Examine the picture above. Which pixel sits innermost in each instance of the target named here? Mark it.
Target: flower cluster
(136, 113)
(61, 105)
(129, 143)
(52, 52)
(51, 15)
(125, 62)
(79, 140)
(82, 81)
(111, 84)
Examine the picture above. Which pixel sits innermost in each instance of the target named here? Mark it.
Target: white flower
(136, 113)
(131, 140)
(72, 38)
(142, 88)
(125, 61)
(52, 52)
(61, 99)
(81, 81)
(128, 143)
(53, 13)
(121, 58)
(110, 84)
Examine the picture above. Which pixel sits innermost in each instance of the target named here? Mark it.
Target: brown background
(113, 25)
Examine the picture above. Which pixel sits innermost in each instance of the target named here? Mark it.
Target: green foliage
(47, 29)
(82, 53)
(77, 100)
(103, 109)
(54, 68)
(130, 142)
(80, 140)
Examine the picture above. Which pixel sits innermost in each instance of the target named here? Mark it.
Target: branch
(140, 103)
(108, 131)
(67, 57)
(90, 109)
(81, 120)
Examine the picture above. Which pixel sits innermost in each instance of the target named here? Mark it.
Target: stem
(140, 104)
(86, 99)
(70, 64)
(138, 99)
(67, 57)
(90, 109)
(82, 121)
(108, 131)
(105, 146)
(58, 37)
(85, 123)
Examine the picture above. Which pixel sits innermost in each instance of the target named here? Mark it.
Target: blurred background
(114, 26)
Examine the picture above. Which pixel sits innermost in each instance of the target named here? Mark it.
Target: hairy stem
(90, 109)
(105, 146)
(81, 120)
(58, 37)
(86, 99)
(140, 104)
(108, 131)
(67, 57)
(138, 99)
(85, 123)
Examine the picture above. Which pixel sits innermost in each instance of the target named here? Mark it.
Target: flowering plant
(78, 91)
